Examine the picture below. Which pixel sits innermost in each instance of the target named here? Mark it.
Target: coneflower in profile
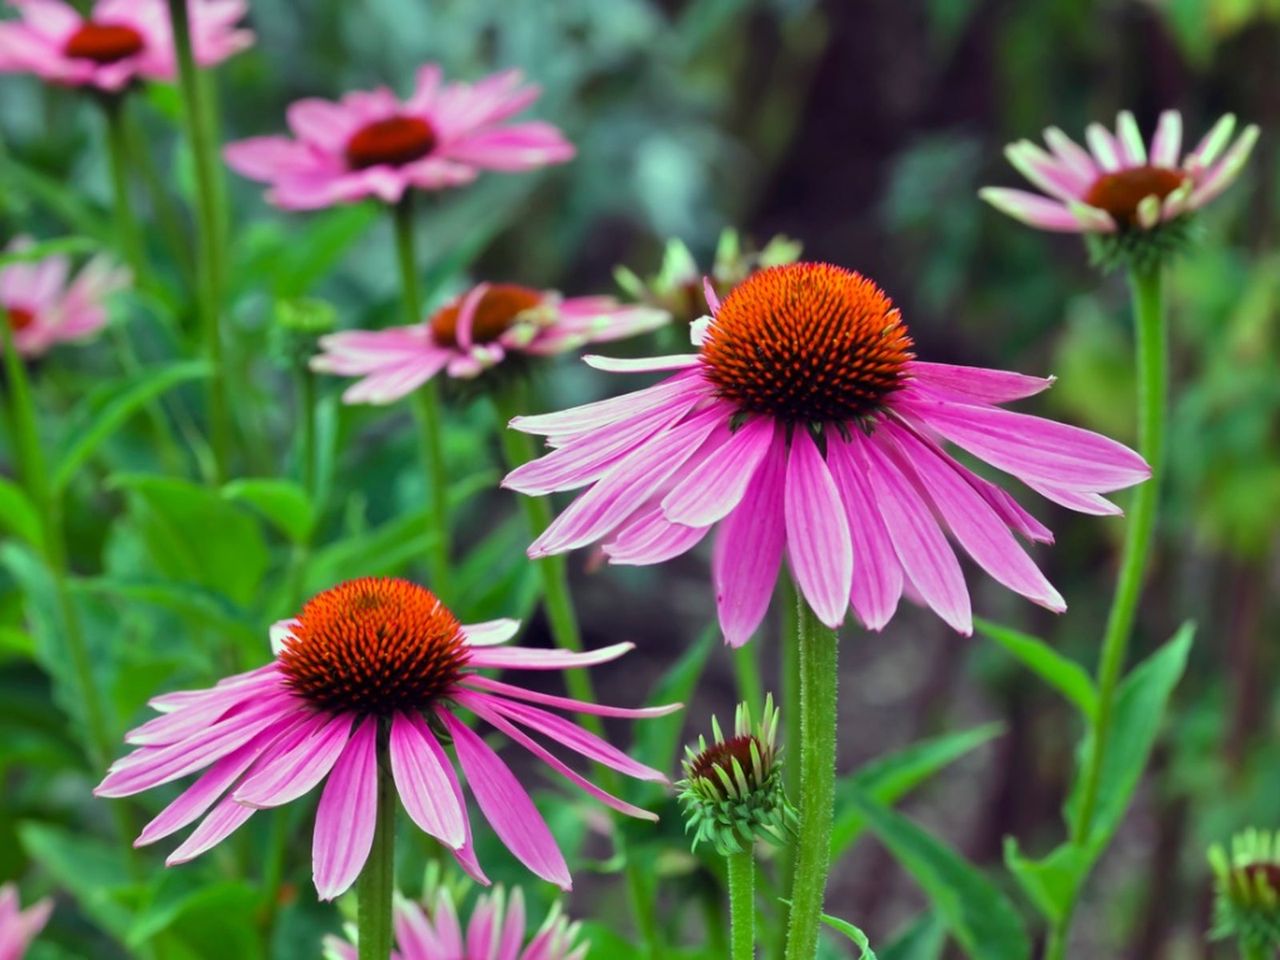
(370, 675)
(804, 427)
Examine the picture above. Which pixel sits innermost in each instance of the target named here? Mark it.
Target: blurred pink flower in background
(1118, 184)
(371, 144)
(19, 927)
(119, 42)
(496, 931)
(475, 332)
(806, 428)
(43, 309)
(370, 654)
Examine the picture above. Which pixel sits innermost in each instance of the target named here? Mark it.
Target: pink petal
(510, 691)
(417, 764)
(491, 632)
(506, 806)
(225, 819)
(541, 658)
(1032, 209)
(707, 493)
(748, 549)
(297, 762)
(347, 814)
(977, 383)
(648, 537)
(676, 361)
(818, 543)
(1168, 140)
(602, 413)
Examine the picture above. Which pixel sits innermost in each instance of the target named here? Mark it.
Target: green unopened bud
(1140, 247)
(732, 790)
(1247, 883)
(296, 326)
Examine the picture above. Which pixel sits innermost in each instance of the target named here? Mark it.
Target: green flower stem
(377, 879)
(784, 599)
(427, 409)
(306, 382)
(742, 902)
(162, 204)
(210, 269)
(1151, 336)
(818, 659)
(746, 672)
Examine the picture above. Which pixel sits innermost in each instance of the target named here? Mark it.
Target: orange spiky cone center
(494, 315)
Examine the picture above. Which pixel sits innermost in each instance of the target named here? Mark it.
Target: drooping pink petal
(648, 537)
(923, 551)
(417, 764)
(603, 413)
(877, 574)
(297, 762)
(347, 814)
(512, 692)
(748, 549)
(539, 658)
(506, 806)
(1032, 209)
(676, 361)
(818, 544)
(225, 819)
(977, 383)
(711, 490)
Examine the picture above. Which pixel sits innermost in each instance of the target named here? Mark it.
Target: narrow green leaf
(887, 779)
(199, 604)
(105, 422)
(47, 248)
(283, 502)
(15, 643)
(18, 514)
(1064, 675)
(853, 933)
(1052, 881)
(61, 199)
(85, 867)
(924, 939)
(976, 912)
(658, 740)
(1140, 704)
(313, 254)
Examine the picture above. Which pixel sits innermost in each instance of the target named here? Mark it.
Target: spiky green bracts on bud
(732, 790)
(1142, 249)
(677, 287)
(1247, 884)
(297, 324)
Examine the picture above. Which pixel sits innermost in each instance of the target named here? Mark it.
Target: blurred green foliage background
(864, 130)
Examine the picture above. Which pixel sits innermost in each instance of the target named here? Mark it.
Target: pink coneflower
(373, 145)
(496, 931)
(19, 927)
(805, 427)
(42, 309)
(474, 333)
(1117, 184)
(119, 42)
(372, 667)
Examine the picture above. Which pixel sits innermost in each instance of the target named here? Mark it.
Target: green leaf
(214, 919)
(87, 868)
(1140, 704)
(853, 933)
(308, 257)
(1052, 881)
(976, 912)
(47, 248)
(922, 940)
(657, 741)
(383, 551)
(61, 199)
(101, 424)
(282, 502)
(15, 643)
(1064, 675)
(195, 537)
(887, 779)
(18, 514)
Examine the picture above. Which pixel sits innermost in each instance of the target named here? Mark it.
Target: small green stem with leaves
(210, 269)
(375, 888)
(818, 662)
(427, 409)
(1152, 348)
(742, 902)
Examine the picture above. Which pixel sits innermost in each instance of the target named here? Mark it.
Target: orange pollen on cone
(104, 42)
(394, 141)
(374, 646)
(20, 318)
(1119, 193)
(807, 342)
(497, 310)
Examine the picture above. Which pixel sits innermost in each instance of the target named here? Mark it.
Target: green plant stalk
(162, 204)
(746, 673)
(1152, 348)
(427, 409)
(377, 879)
(818, 660)
(784, 599)
(210, 269)
(742, 902)
(518, 449)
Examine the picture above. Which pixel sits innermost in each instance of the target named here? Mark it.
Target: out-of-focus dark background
(864, 130)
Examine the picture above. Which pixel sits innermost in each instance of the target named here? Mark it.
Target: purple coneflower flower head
(805, 429)
(1119, 184)
(488, 325)
(19, 927)
(371, 144)
(44, 306)
(120, 41)
(371, 667)
(495, 931)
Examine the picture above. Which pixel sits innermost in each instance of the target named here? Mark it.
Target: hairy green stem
(1151, 337)
(427, 409)
(784, 599)
(377, 880)
(818, 659)
(210, 269)
(742, 902)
